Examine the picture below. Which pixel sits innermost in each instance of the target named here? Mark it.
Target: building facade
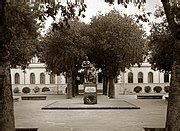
(35, 75)
(141, 76)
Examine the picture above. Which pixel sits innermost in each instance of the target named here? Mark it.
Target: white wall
(37, 69)
(158, 77)
(60, 81)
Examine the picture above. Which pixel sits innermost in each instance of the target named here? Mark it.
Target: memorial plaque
(90, 89)
(90, 93)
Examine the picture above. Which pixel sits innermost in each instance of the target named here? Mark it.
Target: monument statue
(92, 74)
(90, 86)
(89, 71)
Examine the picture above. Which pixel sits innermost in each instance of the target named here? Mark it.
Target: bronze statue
(89, 71)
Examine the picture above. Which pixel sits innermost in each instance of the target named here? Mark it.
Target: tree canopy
(161, 47)
(21, 21)
(63, 52)
(64, 48)
(118, 42)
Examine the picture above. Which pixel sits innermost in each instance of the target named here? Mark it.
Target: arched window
(130, 77)
(140, 77)
(150, 77)
(32, 78)
(166, 77)
(52, 79)
(17, 78)
(42, 78)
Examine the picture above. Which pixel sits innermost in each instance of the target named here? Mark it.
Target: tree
(117, 43)
(20, 44)
(173, 15)
(172, 12)
(173, 118)
(161, 45)
(165, 56)
(63, 51)
(6, 107)
(23, 26)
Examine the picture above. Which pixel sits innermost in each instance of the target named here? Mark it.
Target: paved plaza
(152, 113)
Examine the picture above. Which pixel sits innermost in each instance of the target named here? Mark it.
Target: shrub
(157, 89)
(45, 89)
(16, 90)
(137, 89)
(167, 89)
(147, 89)
(26, 90)
(36, 89)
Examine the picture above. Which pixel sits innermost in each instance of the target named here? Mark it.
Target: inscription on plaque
(90, 89)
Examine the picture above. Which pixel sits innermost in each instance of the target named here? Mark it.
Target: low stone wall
(128, 88)
(120, 88)
(54, 89)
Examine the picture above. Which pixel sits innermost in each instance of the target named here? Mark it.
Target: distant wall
(54, 88)
(127, 88)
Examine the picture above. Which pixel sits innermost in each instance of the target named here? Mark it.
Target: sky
(93, 6)
(96, 6)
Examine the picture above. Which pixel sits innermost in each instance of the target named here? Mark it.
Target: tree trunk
(73, 86)
(7, 122)
(105, 84)
(69, 85)
(76, 87)
(173, 110)
(111, 87)
(6, 102)
(75, 83)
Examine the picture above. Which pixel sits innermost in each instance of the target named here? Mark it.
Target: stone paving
(152, 113)
(78, 103)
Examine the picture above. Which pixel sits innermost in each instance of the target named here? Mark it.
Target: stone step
(15, 99)
(149, 96)
(34, 97)
(26, 129)
(155, 129)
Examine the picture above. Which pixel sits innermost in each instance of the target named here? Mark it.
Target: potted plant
(36, 89)
(137, 89)
(16, 90)
(26, 90)
(45, 89)
(157, 89)
(147, 89)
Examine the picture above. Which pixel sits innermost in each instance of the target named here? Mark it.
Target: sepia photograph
(89, 65)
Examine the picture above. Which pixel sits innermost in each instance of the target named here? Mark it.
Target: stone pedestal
(90, 93)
